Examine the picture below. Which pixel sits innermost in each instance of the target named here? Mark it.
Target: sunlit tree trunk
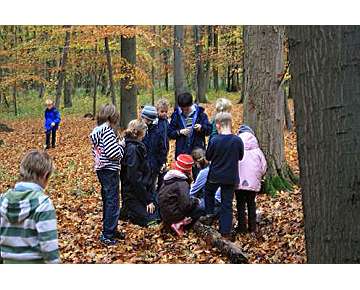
(110, 70)
(179, 69)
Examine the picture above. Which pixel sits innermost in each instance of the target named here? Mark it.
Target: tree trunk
(68, 89)
(128, 87)
(201, 83)
(264, 99)
(216, 52)
(15, 83)
(110, 71)
(325, 87)
(62, 65)
(288, 121)
(152, 53)
(179, 69)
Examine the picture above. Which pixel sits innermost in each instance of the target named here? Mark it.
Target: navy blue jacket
(196, 139)
(164, 129)
(155, 147)
(51, 116)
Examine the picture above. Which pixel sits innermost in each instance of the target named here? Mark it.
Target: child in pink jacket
(251, 170)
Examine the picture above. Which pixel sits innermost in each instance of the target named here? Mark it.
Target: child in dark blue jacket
(189, 125)
(51, 124)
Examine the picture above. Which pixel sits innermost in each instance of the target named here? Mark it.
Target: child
(162, 107)
(108, 153)
(28, 230)
(222, 105)
(251, 170)
(224, 152)
(176, 207)
(154, 143)
(51, 124)
(189, 125)
(138, 201)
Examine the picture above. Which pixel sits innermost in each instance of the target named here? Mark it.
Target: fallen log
(5, 128)
(214, 239)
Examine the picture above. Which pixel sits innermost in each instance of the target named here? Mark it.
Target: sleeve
(57, 117)
(162, 149)
(132, 162)
(174, 130)
(185, 203)
(46, 228)
(210, 150)
(241, 149)
(263, 163)
(112, 149)
(198, 184)
(206, 127)
(213, 130)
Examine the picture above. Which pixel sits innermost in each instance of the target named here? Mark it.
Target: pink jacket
(253, 165)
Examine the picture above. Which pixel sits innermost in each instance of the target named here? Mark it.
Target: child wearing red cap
(177, 208)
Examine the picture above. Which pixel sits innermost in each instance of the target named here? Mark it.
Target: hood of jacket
(171, 174)
(20, 203)
(249, 140)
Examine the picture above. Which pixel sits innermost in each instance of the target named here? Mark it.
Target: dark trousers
(109, 180)
(137, 214)
(246, 197)
(51, 132)
(227, 196)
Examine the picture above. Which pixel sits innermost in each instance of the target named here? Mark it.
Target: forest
(297, 87)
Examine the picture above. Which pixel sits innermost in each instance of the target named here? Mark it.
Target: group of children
(132, 170)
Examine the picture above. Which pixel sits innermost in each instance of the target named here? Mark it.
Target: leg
(210, 189)
(240, 206)
(227, 194)
(137, 212)
(47, 133)
(251, 205)
(53, 137)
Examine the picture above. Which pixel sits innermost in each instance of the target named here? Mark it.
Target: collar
(23, 185)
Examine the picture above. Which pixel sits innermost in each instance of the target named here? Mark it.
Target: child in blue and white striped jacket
(108, 152)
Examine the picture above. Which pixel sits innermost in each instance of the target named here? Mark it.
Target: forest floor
(75, 193)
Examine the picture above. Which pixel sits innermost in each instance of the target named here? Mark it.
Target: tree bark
(110, 71)
(325, 87)
(216, 52)
(62, 66)
(264, 99)
(179, 69)
(201, 82)
(152, 53)
(128, 87)
(288, 121)
(15, 83)
(68, 89)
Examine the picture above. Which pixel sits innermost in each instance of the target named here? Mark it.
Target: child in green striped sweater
(28, 230)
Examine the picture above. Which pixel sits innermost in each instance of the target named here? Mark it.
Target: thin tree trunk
(179, 69)
(110, 71)
(128, 87)
(325, 87)
(68, 89)
(264, 99)
(152, 53)
(216, 52)
(288, 121)
(15, 83)
(62, 65)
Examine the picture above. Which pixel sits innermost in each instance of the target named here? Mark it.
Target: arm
(210, 150)
(112, 149)
(45, 219)
(263, 162)
(162, 149)
(206, 127)
(241, 149)
(198, 184)
(57, 117)
(185, 203)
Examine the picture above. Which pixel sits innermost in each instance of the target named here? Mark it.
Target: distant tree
(110, 70)
(201, 71)
(179, 69)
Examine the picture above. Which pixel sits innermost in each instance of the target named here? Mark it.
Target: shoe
(207, 219)
(240, 230)
(46, 147)
(119, 236)
(53, 146)
(107, 241)
(228, 237)
(178, 228)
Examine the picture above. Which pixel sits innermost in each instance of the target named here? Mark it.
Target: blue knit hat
(149, 112)
(245, 128)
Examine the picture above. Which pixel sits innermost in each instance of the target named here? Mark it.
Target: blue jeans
(226, 212)
(109, 180)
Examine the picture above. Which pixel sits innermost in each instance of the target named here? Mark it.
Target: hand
(185, 132)
(197, 127)
(53, 124)
(150, 208)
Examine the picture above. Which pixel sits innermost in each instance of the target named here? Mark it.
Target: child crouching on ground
(28, 231)
(176, 207)
(251, 170)
(108, 152)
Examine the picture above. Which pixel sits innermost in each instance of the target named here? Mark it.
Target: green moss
(276, 183)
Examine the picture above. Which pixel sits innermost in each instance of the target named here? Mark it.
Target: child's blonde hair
(162, 103)
(36, 164)
(223, 105)
(135, 129)
(224, 119)
(49, 102)
(108, 113)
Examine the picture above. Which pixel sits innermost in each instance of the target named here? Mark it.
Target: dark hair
(36, 164)
(185, 100)
(108, 113)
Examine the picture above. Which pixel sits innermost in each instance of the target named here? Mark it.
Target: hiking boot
(107, 241)
(207, 219)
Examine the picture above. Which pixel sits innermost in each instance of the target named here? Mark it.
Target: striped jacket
(106, 148)
(28, 231)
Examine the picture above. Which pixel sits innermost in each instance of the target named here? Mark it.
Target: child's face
(49, 106)
(186, 110)
(163, 113)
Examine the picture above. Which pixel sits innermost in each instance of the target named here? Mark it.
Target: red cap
(183, 163)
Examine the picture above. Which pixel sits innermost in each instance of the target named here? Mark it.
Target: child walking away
(222, 105)
(28, 230)
(108, 152)
(251, 170)
(138, 201)
(51, 124)
(224, 152)
(176, 207)
(154, 143)
(162, 107)
(189, 125)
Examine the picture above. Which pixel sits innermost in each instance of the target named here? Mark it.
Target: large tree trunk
(264, 99)
(110, 71)
(179, 69)
(201, 82)
(152, 53)
(216, 52)
(128, 87)
(62, 65)
(14, 89)
(325, 86)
